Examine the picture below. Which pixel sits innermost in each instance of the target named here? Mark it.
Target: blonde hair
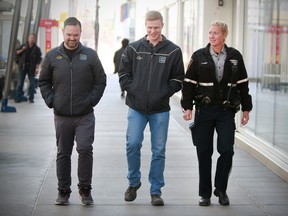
(223, 26)
(153, 15)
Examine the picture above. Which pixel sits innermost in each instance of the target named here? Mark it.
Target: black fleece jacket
(72, 88)
(151, 75)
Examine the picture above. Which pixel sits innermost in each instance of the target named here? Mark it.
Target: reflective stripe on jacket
(200, 78)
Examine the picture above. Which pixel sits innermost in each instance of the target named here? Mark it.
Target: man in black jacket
(72, 82)
(151, 71)
(29, 59)
(117, 59)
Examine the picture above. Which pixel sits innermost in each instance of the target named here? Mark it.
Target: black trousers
(80, 129)
(209, 119)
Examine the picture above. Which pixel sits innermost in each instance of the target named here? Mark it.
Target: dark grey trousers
(69, 129)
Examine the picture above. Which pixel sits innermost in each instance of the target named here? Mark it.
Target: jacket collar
(206, 49)
(61, 47)
(161, 44)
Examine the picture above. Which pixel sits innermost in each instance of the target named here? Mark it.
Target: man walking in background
(117, 59)
(29, 59)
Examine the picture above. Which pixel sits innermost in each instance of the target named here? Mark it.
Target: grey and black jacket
(200, 79)
(72, 88)
(151, 75)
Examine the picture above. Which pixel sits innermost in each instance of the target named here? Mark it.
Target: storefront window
(189, 30)
(266, 52)
(172, 23)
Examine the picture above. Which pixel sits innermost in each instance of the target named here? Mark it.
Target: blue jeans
(31, 89)
(158, 123)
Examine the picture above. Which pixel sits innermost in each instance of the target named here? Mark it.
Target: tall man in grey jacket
(72, 82)
(151, 71)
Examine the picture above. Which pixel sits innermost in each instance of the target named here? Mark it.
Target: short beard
(72, 47)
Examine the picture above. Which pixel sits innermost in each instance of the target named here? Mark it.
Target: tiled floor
(28, 184)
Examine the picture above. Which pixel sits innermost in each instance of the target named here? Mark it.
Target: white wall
(208, 11)
(212, 12)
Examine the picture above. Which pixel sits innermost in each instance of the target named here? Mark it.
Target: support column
(11, 54)
(27, 21)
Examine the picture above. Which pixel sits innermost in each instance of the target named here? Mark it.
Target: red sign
(48, 24)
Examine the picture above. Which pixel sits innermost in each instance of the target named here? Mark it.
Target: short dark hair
(32, 34)
(125, 42)
(72, 21)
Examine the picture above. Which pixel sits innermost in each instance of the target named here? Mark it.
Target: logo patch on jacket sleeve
(162, 59)
(83, 57)
(58, 57)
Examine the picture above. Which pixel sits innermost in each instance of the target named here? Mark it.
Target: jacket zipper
(149, 80)
(71, 89)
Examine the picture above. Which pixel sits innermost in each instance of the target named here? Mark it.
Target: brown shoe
(131, 193)
(156, 200)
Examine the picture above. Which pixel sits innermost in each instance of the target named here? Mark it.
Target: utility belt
(201, 100)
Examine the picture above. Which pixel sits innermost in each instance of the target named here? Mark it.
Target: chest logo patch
(139, 58)
(58, 57)
(162, 59)
(83, 57)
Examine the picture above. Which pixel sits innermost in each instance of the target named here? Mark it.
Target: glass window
(266, 52)
(172, 23)
(189, 30)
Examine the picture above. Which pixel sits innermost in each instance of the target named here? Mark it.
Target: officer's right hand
(187, 115)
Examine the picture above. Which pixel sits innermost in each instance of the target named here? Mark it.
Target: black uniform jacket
(151, 75)
(200, 79)
(72, 88)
